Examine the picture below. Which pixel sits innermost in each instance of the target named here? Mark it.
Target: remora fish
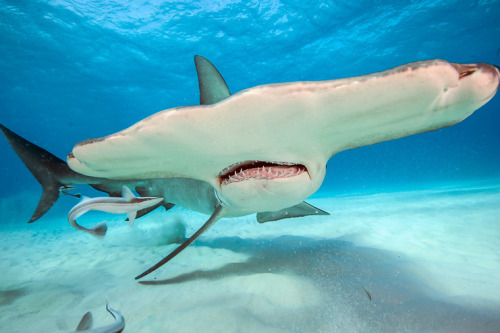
(128, 204)
(263, 149)
(86, 323)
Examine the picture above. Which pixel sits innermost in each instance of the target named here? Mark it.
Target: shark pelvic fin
(213, 88)
(50, 171)
(217, 214)
(300, 210)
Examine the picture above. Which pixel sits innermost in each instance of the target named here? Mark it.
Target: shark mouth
(259, 170)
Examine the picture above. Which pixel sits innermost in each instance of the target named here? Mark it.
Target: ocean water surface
(413, 239)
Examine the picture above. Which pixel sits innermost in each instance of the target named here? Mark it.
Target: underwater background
(426, 206)
(73, 70)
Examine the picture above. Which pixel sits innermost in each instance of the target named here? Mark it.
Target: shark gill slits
(260, 170)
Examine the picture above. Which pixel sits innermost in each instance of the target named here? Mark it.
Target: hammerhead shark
(262, 150)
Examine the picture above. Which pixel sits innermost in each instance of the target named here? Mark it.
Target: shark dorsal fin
(86, 323)
(127, 193)
(213, 88)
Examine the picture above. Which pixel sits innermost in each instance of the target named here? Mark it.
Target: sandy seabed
(400, 261)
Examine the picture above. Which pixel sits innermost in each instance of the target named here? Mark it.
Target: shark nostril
(465, 69)
(466, 73)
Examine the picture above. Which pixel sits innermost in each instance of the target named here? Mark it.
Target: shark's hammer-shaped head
(451, 93)
(471, 87)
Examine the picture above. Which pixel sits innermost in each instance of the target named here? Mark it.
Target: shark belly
(189, 193)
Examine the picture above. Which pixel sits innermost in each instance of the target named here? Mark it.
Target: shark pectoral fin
(217, 214)
(131, 217)
(86, 323)
(99, 230)
(213, 88)
(300, 210)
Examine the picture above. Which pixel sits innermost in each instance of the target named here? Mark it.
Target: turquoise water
(414, 224)
(73, 71)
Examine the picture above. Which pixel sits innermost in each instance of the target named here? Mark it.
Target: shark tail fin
(50, 171)
(99, 230)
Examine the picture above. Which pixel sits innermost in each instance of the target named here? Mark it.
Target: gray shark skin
(86, 323)
(128, 204)
(264, 150)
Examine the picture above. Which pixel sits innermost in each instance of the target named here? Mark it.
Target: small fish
(85, 325)
(128, 204)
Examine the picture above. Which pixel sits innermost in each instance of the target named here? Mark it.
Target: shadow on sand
(377, 285)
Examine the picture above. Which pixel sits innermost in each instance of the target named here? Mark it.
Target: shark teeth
(260, 171)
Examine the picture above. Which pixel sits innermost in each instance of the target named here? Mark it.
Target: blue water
(73, 70)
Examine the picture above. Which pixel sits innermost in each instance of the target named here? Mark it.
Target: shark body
(264, 150)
